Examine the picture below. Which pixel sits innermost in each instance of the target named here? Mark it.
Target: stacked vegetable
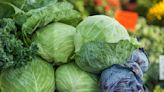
(44, 48)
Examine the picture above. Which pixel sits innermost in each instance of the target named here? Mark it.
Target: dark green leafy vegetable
(40, 17)
(24, 5)
(96, 56)
(12, 51)
(5, 10)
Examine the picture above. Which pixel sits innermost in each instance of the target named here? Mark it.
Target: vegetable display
(45, 46)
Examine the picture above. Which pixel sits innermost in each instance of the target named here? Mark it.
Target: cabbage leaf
(96, 56)
(24, 5)
(40, 17)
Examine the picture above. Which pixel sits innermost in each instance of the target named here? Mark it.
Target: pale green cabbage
(99, 28)
(55, 42)
(70, 78)
(37, 76)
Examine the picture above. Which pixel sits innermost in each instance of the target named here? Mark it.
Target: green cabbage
(96, 56)
(99, 28)
(37, 76)
(70, 78)
(55, 42)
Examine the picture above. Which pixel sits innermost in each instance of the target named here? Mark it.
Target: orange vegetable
(127, 19)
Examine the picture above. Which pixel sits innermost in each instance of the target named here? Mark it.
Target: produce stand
(81, 46)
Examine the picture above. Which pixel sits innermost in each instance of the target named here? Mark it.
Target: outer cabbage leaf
(70, 78)
(55, 42)
(34, 4)
(36, 18)
(24, 5)
(140, 57)
(37, 76)
(99, 28)
(96, 56)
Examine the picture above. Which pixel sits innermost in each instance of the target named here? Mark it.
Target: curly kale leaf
(12, 51)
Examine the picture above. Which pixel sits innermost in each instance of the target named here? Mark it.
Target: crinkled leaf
(62, 11)
(12, 51)
(96, 56)
(27, 5)
(118, 78)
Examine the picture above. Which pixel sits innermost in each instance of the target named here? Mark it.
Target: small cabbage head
(119, 78)
(70, 78)
(99, 28)
(36, 76)
(55, 42)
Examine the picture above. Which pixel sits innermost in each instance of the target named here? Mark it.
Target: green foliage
(40, 17)
(158, 89)
(12, 51)
(7, 6)
(94, 57)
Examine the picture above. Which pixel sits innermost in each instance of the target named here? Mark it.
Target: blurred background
(143, 19)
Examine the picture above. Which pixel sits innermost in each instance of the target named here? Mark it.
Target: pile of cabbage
(45, 46)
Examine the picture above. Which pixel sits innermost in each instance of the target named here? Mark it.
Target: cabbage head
(70, 78)
(55, 42)
(99, 28)
(37, 76)
(96, 56)
(119, 78)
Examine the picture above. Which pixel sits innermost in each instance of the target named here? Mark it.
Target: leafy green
(99, 28)
(40, 17)
(12, 51)
(55, 42)
(5, 10)
(96, 56)
(70, 78)
(26, 5)
(37, 76)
